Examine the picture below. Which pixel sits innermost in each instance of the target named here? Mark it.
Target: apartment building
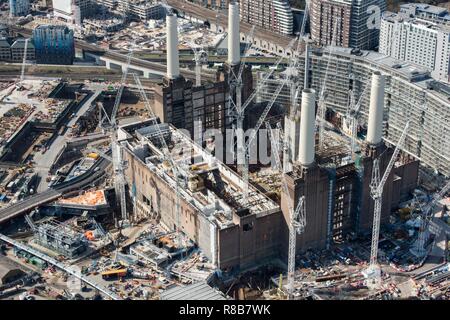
(18, 48)
(411, 93)
(422, 42)
(330, 22)
(5, 49)
(19, 8)
(54, 44)
(353, 23)
(142, 9)
(12, 51)
(273, 15)
(73, 11)
(425, 11)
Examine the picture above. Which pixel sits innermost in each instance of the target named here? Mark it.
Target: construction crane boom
(165, 149)
(351, 116)
(121, 88)
(427, 213)
(376, 192)
(322, 93)
(200, 58)
(254, 132)
(25, 49)
(297, 221)
(266, 77)
(118, 165)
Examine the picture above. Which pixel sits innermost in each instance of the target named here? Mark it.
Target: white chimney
(234, 52)
(375, 123)
(307, 124)
(173, 64)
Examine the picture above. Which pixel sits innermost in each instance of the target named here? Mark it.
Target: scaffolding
(410, 94)
(60, 237)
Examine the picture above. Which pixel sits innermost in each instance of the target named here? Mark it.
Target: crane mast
(166, 154)
(376, 192)
(297, 217)
(25, 49)
(351, 117)
(419, 248)
(322, 94)
(200, 58)
(236, 84)
(118, 165)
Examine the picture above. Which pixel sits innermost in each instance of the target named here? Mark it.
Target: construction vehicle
(114, 274)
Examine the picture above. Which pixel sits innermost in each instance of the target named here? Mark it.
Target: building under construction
(211, 210)
(410, 93)
(205, 199)
(184, 104)
(334, 179)
(61, 238)
(140, 9)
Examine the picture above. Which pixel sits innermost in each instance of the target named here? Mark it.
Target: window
(247, 227)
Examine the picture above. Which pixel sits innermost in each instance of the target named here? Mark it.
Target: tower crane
(253, 134)
(297, 217)
(165, 149)
(351, 116)
(305, 18)
(200, 58)
(236, 84)
(321, 101)
(244, 148)
(262, 83)
(419, 249)
(118, 164)
(376, 192)
(25, 49)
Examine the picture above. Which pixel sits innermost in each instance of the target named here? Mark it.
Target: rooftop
(90, 198)
(417, 21)
(407, 70)
(423, 7)
(195, 291)
(206, 183)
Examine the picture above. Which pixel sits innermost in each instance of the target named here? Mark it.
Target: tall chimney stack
(375, 123)
(234, 52)
(173, 64)
(307, 124)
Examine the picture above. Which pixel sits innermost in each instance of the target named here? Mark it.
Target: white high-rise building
(421, 42)
(73, 11)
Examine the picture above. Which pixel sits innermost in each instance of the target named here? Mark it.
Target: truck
(114, 274)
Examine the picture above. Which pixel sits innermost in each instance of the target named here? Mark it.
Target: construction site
(244, 185)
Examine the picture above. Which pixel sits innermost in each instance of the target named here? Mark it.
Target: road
(80, 44)
(84, 180)
(45, 160)
(160, 57)
(69, 269)
(43, 164)
(78, 76)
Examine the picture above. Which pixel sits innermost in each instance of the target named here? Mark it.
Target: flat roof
(196, 291)
(212, 188)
